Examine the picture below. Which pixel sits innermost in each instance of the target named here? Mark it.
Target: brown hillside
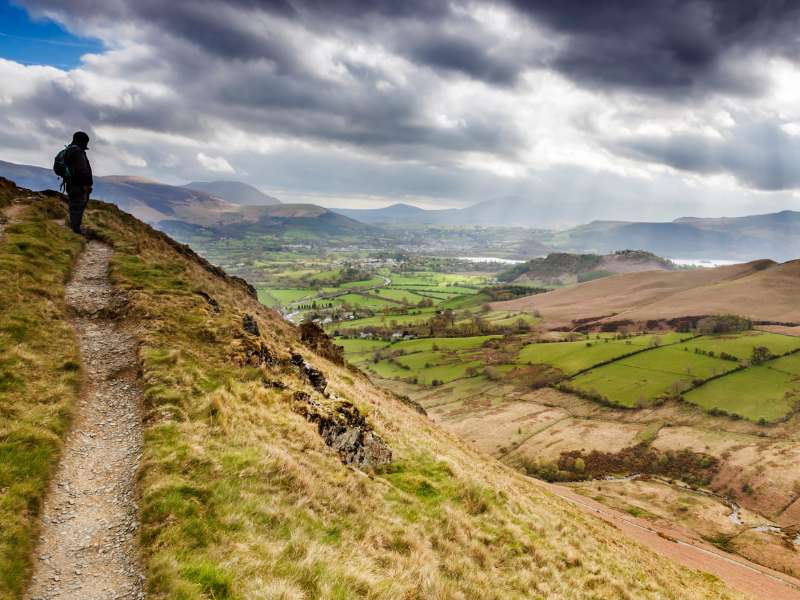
(761, 290)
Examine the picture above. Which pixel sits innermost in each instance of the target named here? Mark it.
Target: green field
(644, 377)
(787, 364)
(359, 346)
(741, 345)
(400, 295)
(286, 296)
(573, 357)
(756, 393)
(427, 344)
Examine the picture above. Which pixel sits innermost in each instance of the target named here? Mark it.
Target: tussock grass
(241, 498)
(39, 377)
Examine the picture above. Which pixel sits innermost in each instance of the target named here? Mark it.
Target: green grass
(642, 378)
(366, 301)
(741, 345)
(358, 346)
(286, 296)
(419, 360)
(756, 393)
(572, 357)
(39, 377)
(400, 295)
(383, 321)
(427, 344)
(365, 283)
(787, 364)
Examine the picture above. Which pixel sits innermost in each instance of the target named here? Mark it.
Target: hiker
(77, 178)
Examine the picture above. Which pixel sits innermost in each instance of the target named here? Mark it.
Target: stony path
(88, 548)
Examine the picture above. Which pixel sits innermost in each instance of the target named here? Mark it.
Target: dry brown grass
(761, 290)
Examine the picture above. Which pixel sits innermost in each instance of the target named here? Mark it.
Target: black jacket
(77, 162)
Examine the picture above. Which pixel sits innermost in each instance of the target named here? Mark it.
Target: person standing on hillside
(79, 178)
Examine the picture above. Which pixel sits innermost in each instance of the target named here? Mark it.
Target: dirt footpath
(88, 548)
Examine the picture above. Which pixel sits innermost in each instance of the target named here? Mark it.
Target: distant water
(490, 259)
(708, 263)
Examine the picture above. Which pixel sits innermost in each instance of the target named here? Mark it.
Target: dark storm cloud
(465, 55)
(247, 63)
(667, 47)
(759, 154)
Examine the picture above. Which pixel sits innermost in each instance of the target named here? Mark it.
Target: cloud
(452, 102)
(216, 164)
(761, 155)
(668, 47)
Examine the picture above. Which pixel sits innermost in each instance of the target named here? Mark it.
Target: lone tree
(760, 355)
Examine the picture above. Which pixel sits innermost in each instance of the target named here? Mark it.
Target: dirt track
(88, 547)
(677, 545)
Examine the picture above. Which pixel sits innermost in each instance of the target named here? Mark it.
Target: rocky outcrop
(312, 375)
(346, 431)
(314, 337)
(250, 325)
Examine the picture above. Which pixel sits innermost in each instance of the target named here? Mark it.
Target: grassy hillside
(240, 496)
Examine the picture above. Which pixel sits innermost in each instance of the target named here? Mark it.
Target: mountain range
(230, 207)
(222, 204)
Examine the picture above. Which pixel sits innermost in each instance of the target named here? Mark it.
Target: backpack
(60, 167)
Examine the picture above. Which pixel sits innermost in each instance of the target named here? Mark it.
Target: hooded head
(81, 139)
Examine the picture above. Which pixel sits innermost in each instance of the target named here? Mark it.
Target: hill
(762, 290)
(183, 209)
(268, 467)
(234, 191)
(561, 268)
(776, 236)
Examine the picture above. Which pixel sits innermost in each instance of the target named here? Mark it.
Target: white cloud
(217, 164)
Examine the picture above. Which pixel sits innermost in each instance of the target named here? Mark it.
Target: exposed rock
(250, 325)
(211, 301)
(254, 353)
(314, 376)
(273, 384)
(314, 337)
(345, 430)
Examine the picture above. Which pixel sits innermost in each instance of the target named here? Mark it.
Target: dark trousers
(78, 199)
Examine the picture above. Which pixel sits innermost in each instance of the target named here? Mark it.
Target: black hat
(81, 138)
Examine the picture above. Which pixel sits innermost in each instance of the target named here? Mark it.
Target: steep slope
(246, 485)
(762, 290)
(234, 191)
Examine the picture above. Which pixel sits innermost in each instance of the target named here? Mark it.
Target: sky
(620, 109)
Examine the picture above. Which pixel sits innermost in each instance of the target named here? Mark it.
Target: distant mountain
(183, 208)
(150, 201)
(234, 191)
(286, 222)
(775, 236)
(501, 212)
(399, 214)
(563, 268)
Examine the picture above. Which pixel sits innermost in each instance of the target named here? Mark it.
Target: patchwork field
(758, 393)
(573, 357)
(641, 379)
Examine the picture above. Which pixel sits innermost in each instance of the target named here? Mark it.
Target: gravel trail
(88, 548)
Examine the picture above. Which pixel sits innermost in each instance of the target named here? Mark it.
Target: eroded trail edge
(89, 546)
